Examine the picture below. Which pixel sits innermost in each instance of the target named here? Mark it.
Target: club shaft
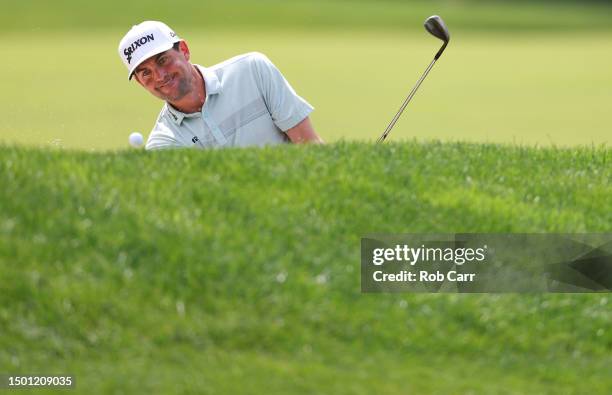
(401, 110)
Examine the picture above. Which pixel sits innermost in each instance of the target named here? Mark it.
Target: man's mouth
(167, 83)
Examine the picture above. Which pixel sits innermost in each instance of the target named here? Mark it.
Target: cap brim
(153, 52)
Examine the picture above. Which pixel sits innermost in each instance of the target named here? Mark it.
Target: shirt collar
(213, 87)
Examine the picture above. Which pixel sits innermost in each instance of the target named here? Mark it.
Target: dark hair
(176, 46)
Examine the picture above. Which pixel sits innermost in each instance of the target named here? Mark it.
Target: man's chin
(169, 97)
(174, 94)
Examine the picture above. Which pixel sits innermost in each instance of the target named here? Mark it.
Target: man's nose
(159, 74)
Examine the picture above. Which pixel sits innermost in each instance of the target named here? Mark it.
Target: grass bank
(237, 271)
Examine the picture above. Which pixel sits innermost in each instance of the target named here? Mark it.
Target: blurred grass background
(515, 72)
(484, 15)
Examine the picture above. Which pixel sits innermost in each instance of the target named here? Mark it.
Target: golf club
(434, 25)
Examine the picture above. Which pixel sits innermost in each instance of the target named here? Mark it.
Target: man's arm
(288, 110)
(303, 133)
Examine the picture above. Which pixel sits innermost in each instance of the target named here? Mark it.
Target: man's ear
(184, 48)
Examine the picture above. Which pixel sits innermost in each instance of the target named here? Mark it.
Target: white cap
(143, 41)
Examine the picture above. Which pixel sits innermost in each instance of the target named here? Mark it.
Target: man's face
(167, 75)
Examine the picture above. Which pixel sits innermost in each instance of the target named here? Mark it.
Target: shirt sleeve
(286, 107)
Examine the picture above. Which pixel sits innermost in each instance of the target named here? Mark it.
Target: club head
(436, 26)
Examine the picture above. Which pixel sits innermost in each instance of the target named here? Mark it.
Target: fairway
(544, 89)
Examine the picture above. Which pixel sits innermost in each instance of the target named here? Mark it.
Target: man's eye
(145, 73)
(161, 61)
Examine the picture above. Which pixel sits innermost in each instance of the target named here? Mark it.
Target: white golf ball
(136, 139)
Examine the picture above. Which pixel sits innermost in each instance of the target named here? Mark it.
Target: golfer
(240, 102)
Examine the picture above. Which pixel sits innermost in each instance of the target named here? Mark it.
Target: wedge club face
(436, 26)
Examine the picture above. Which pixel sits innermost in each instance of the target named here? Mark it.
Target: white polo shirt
(248, 102)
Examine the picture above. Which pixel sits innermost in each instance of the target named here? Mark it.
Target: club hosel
(440, 51)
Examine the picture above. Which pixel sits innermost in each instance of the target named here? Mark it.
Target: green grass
(546, 89)
(237, 271)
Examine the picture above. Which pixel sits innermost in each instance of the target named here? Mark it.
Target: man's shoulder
(162, 117)
(163, 133)
(244, 61)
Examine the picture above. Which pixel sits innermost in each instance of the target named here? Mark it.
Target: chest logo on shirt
(195, 139)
